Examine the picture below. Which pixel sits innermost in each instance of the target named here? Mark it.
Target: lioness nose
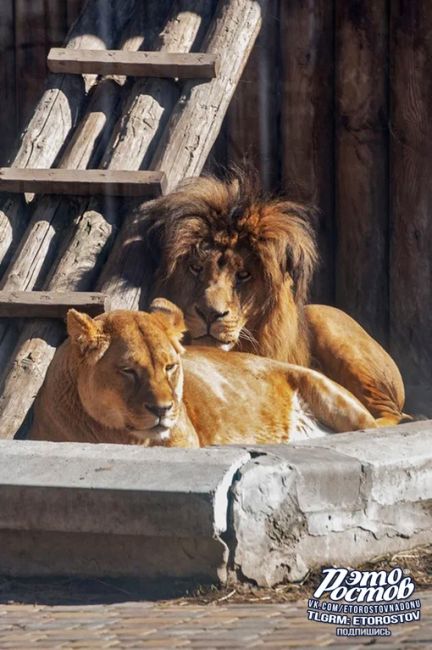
(159, 409)
(210, 315)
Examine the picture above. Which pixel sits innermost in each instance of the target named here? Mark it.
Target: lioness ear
(174, 317)
(85, 333)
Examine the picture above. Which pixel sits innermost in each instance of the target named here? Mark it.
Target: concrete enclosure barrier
(264, 514)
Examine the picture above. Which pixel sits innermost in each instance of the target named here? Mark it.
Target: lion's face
(230, 260)
(129, 375)
(218, 288)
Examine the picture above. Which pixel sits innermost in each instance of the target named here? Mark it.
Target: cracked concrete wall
(338, 500)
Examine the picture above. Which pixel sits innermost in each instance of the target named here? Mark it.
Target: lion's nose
(210, 315)
(159, 409)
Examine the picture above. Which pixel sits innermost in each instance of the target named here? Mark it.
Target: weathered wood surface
(151, 101)
(54, 214)
(55, 218)
(135, 64)
(98, 27)
(198, 115)
(189, 135)
(85, 148)
(59, 110)
(86, 246)
(73, 9)
(362, 162)
(307, 120)
(82, 182)
(252, 127)
(8, 113)
(56, 23)
(30, 68)
(48, 304)
(411, 191)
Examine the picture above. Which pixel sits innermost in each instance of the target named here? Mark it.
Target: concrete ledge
(339, 500)
(265, 514)
(114, 509)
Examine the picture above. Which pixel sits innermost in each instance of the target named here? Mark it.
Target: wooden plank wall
(333, 108)
(28, 28)
(307, 164)
(361, 161)
(410, 241)
(9, 124)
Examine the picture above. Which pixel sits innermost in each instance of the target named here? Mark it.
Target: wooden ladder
(97, 139)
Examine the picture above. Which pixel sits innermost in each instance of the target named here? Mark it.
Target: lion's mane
(233, 212)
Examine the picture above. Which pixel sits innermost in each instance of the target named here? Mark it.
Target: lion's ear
(174, 318)
(85, 332)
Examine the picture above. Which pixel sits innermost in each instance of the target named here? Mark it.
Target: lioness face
(130, 376)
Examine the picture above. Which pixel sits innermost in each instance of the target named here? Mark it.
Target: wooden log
(88, 242)
(98, 27)
(39, 246)
(188, 137)
(145, 113)
(411, 193)
(59, 110)
(48, 304)
(151, 100)
(54, 214)
(362, 162)
(56, 218)
(307, 121)
(82, 182)
(134, 64)
(238, 24)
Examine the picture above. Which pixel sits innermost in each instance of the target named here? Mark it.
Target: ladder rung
(48, 304)
(83, 182)
(135, 64)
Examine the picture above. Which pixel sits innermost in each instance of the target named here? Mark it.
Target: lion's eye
(195, 268)
(171, 367)
(205, 246)
(243, 276)
(128, 372)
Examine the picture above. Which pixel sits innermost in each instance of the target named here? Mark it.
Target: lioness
(119, 378)
(240, 268)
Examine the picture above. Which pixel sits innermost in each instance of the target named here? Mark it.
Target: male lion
(119, 378)
(240, 268)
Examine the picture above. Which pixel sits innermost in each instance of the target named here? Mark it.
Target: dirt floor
(82, 614)
(71, 591)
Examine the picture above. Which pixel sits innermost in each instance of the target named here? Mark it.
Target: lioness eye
(242, 276)
(171, 366)
(195, 268)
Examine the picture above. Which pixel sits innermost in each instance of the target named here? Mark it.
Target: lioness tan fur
(240, 267)
(121, 378)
